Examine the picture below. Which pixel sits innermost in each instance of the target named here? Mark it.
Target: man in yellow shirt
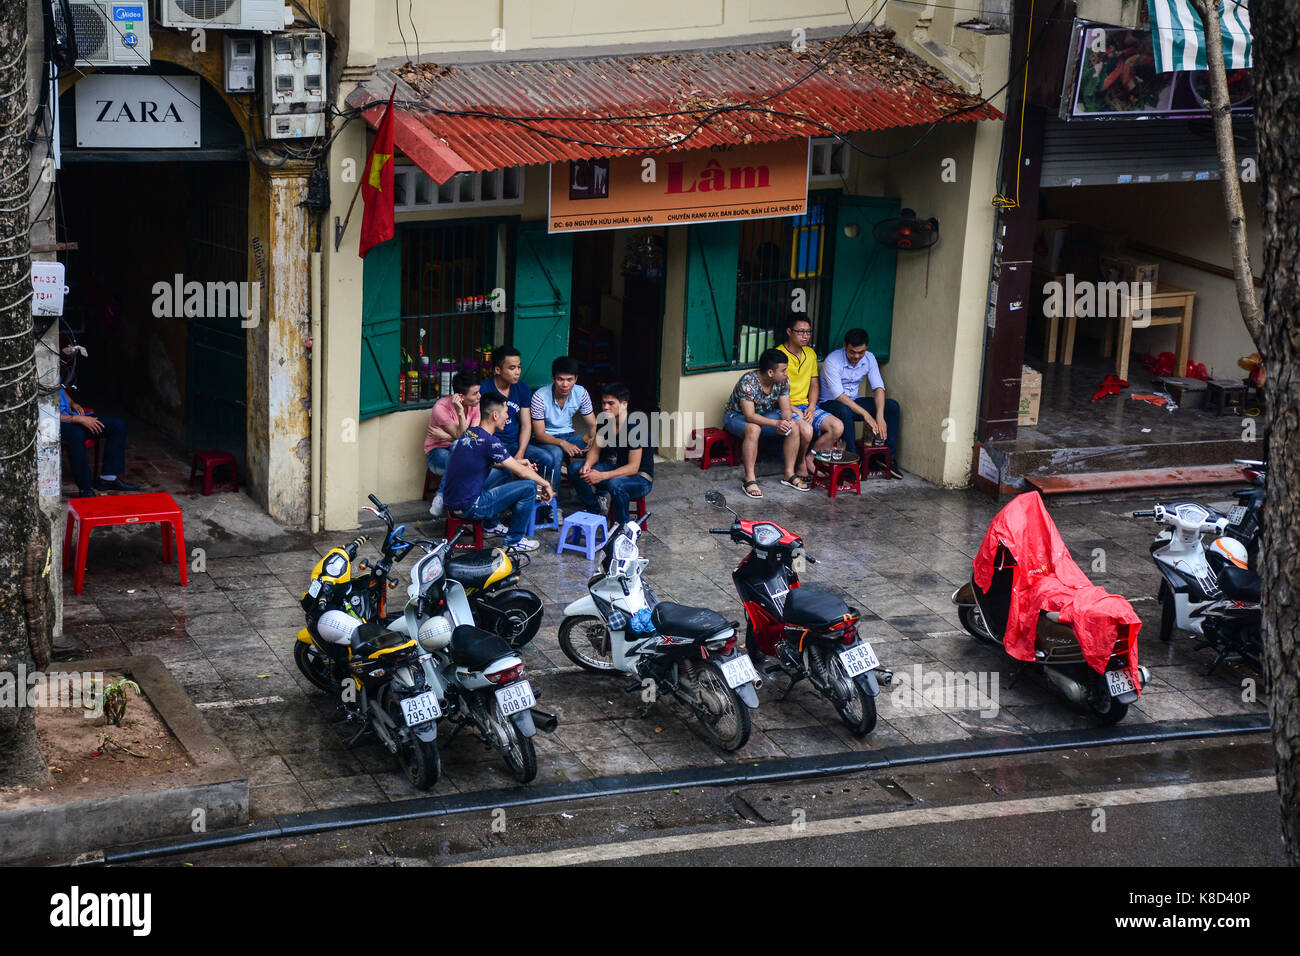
(805, 387)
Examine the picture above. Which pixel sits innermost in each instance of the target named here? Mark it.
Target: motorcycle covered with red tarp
(1027, 596)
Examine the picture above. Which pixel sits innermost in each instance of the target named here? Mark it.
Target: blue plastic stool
(588, 524)
(554, 507)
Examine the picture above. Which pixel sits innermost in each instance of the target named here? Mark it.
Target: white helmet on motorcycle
(1233, 550)
(435, 633)
(337, 627)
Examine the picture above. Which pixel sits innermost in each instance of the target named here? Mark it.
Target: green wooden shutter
(543, 283)
(713, 256)
(862, 276)
(381, 328)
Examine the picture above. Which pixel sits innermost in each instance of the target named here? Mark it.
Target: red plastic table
(87, 514)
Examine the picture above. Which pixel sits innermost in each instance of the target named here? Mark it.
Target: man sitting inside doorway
(760, 407)
(76, 426)
(805, 386)
(448, 419)
(843, 372)
(477, 485)
(620, 463)
(553, 409)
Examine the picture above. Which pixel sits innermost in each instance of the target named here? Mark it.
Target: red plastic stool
(711, 438)
(432, 483)
(454, 523)
(829, 474)
(640, 510)
(210, 461)
(870, 453)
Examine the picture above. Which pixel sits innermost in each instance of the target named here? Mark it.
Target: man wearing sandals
(805, 387)
(760, 407)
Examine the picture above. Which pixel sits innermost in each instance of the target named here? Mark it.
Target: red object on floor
(711, 439)
(829, 474)
(1157, 400)
(86, 514)
(869, 454)
(454, 523)
(210, 461)
(640, 510)
(1110, 385)
(432, 483)
(1045, 578)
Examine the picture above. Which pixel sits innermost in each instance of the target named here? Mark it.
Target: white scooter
(619, 626)
(1209, 591)
(480, 677)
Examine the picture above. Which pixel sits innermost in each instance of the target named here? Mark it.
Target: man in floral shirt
(760, 407)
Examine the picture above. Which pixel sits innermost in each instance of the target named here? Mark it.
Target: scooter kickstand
(794, 679)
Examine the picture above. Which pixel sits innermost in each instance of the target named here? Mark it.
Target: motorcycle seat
(476, 648)
(806, 607)
(373, 638)
(679, 620)
(475, 568)
(1238, 584)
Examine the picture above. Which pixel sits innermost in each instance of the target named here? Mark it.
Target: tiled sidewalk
(897, 553)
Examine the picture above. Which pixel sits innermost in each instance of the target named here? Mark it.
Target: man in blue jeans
(842, 374)
(553, 409)
(474, 490)
(620, 463)
(76, 425)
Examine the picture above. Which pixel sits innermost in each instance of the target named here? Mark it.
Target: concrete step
(1115, 481)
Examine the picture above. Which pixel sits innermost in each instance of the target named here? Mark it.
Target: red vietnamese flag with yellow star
(377, 185)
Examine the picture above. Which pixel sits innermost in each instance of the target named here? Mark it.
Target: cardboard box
(1125, 269)
(1031, 395)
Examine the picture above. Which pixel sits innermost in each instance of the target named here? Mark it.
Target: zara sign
(137, 112)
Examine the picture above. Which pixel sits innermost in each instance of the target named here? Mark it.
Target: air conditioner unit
(108, 32)
(222, 14)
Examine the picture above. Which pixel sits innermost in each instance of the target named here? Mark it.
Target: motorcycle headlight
(766, 535)
(334, 566)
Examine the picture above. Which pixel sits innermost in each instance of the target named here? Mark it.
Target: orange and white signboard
(670, 189)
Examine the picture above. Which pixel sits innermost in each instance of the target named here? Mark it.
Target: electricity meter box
(293, 84)
(241, 63)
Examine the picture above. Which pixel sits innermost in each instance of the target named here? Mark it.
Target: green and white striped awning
(1179, 39)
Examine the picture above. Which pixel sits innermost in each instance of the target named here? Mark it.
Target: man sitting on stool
(75, 428)
(620, 463)
(842, 373)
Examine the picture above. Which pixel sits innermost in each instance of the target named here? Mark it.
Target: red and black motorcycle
(798, 631)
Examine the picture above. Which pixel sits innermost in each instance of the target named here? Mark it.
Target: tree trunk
(1276, 28)
(1221, 115)
(20, 759)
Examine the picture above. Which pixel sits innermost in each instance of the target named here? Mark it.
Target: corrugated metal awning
(1180, 36)
(498, 114)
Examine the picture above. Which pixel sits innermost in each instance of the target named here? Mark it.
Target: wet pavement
(896, 552)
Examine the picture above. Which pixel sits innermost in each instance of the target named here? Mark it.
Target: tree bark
(20, 758)
(1221, 115)
(1276, 28)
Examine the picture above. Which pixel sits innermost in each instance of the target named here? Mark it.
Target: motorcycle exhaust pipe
(1068, 686)
(544, 722)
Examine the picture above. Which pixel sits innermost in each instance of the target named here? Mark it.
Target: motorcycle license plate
(515, 697)
(421, 708)
(739, 671)
(1236, 514)
(1119, 683)
(859, 659)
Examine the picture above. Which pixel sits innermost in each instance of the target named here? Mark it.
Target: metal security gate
(216, 410)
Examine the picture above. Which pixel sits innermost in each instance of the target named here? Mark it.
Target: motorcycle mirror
(716, 499)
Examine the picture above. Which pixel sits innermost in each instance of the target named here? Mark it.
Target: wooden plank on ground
(1138, 478)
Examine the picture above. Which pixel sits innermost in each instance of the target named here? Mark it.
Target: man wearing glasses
(805, 387)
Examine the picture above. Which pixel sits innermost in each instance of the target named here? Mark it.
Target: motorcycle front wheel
(420, 759)
(727, 721)
(518, 750)
(971, 619)
(856, 707)
(585, 641)
(316, 667)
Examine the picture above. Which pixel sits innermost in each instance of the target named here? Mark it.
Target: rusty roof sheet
(493, 115)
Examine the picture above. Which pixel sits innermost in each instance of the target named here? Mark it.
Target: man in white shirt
(842, 374)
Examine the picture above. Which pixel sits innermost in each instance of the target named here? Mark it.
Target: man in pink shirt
(448, 419)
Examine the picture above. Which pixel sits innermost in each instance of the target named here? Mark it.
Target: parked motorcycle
(798, 631)
(1246, 519)
(620, 626)
(1036, 605)
(490, 578)
(478, 674)
(1210, 591)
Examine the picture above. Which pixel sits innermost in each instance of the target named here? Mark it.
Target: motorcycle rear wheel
(589, 648)
(514, 625)
(856, 707)
(1113, 714)
(728, 723)
(420, 759)
(519, 753)
(316, 667)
